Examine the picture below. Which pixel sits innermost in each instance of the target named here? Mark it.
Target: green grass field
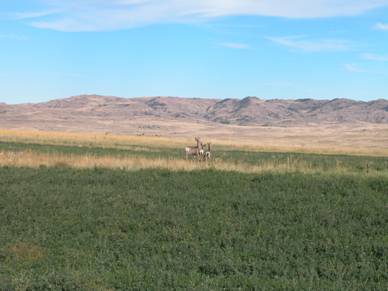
(99, 229)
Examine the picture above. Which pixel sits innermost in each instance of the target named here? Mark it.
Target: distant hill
(90, 110)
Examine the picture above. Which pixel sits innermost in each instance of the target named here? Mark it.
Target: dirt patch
(26, 251)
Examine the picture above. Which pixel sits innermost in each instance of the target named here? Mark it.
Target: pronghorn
(208, 153)
(195, 151)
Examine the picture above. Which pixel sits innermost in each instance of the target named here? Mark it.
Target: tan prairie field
(140, 145)
(31, 159)
(357, 139)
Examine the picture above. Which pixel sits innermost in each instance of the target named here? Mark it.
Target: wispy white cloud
(35, 14)
(92, 15)
(236, 45)
(12, 36)
(311, 45)
(354, 68)
(374, 57)
(381, 26)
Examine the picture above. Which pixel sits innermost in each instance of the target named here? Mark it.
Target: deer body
(208, 153)
(192, 151)
(196, 151)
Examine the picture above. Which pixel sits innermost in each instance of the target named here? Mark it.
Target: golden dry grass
(35, 159)
(82, 139)
(31, 159)
(277, 144)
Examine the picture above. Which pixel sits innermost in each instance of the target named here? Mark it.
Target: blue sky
(204, 48)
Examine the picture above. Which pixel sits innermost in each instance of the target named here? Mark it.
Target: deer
(196, 151)
(208, 153)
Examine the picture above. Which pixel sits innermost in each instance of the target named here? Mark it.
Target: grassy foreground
(68, 229)
(102, 212)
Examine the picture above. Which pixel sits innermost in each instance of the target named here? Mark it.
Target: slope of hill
(89, 110)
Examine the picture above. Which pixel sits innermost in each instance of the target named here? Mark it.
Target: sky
(284, 49)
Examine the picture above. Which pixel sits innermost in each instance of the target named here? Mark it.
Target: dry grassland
(31, 159)
(322, 140)
(35, 160)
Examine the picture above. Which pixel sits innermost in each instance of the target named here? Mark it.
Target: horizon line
(196, 97)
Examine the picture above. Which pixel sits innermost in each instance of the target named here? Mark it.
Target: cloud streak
(374, 57)
(236, 45)
(354, 68)
(381, 26)
(300, 43)
(11, 36)
(34, 14)
(95, 15)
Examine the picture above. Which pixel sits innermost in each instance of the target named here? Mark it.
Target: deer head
(198, 140)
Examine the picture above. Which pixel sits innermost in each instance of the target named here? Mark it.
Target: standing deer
(208, 153)
(196, 151)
